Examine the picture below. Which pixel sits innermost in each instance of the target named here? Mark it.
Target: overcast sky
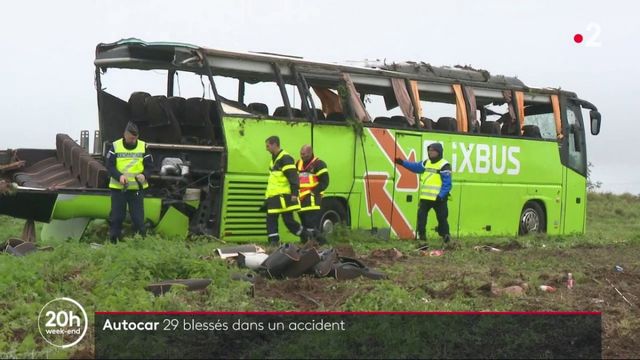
(48, 51)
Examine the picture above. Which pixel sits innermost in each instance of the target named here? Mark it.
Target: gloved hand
(263, 208)
(399, 161)
(440, 199)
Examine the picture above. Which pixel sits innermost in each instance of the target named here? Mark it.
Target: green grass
(112, 278)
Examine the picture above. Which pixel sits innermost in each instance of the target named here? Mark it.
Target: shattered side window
(541, 115)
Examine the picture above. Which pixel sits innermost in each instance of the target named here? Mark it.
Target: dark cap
(132, 128)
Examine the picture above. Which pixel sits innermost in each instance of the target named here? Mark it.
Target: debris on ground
(386, 254)
(293, 261)
(517, 288)
(19, 247)
(547, 288)
(345, 250)
(432, 252)
(251, 260)
(232, 251)
(619, 293)
(486, 248)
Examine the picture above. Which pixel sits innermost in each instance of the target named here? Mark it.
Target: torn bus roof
(138, 54)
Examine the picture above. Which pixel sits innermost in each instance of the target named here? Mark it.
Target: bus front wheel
(532, 219)
(332, 212)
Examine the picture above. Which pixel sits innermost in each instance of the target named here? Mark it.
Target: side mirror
(596, 118)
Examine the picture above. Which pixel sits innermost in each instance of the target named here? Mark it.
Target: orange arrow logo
(407, 180)
(378, 197)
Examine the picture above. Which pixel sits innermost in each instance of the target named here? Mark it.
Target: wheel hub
(530, 221)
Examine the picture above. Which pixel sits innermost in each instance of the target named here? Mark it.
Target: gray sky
(48, 50)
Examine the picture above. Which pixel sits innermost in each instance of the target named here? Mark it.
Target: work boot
(446, 238)
(422, 246)
(113, 239)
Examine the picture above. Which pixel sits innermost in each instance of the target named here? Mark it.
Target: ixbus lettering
(482, 158)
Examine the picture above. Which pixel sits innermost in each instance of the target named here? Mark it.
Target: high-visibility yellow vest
(308, 180)
(278, 184)
(130, 164)
(430, 180)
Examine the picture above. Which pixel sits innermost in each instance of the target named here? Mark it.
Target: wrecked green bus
(518, 153)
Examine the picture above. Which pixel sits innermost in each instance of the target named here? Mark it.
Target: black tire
(532, 219)
(332, 212)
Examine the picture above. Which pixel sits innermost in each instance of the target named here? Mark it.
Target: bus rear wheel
(532, 219)
(332, 213)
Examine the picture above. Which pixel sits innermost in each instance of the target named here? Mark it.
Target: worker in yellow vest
(435, 186)
(129, 165)
(314, 180)
(281, 197)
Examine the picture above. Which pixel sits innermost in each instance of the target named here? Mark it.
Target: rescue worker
(435, 185)
(314, 180)
(282, 192)
(129, 165)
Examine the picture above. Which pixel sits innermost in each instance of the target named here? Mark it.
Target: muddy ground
(440, 280)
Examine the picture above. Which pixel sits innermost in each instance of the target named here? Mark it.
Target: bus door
(575, 173)
(406, 189)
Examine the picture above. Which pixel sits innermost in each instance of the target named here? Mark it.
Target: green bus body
(492, 178)
(498, 181)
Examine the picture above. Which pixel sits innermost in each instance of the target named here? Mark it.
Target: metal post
(84, 139)
(97, 142)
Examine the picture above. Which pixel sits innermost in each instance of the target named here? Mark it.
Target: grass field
(112, 278)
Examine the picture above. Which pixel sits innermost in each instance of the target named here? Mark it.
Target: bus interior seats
(60, 141)
(162, 121)
(79, 156)
(382, 120)
(75, 157)
(446, 124)
(98, 175)
(319, 115)
(297, 113)
(281, 111)
(177, 105)
(196, 126)
(53, 170)
(426, 123)
(259, 108)
(137, 107)
(531, 131)
(490, 127)
(336, 116)
(505, 120)
(400, 121)
(67, 148)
